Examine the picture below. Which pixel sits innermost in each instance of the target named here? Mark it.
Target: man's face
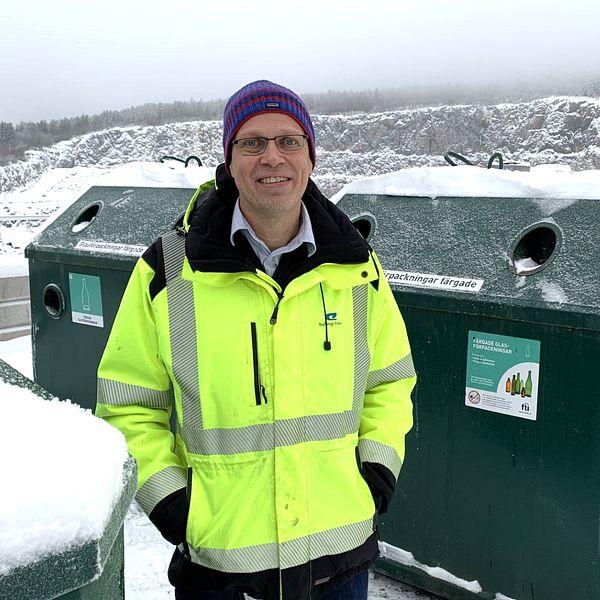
(271, 185)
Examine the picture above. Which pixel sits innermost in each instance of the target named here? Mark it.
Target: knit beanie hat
(264, 97)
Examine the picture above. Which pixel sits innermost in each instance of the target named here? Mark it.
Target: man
(270, 318)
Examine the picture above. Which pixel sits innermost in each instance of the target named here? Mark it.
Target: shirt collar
(305, 233)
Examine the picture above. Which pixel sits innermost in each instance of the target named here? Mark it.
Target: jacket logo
(331, 319)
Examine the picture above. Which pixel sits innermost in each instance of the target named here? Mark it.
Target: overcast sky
(64, 57)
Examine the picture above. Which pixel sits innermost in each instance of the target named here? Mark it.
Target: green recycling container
(92, 571)
(499, 496)
(78, 269)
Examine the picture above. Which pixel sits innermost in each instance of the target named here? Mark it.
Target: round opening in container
(54, 300)
(535, 248)
(85, 218)
(365, 225)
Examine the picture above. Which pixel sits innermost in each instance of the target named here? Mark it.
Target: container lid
(525, 239)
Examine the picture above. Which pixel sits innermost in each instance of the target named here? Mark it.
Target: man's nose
(272, 155)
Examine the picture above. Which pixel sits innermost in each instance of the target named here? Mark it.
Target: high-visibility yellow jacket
(285, 388)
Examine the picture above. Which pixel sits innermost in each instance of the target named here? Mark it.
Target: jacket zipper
(188, 493)
(273, 319)
(259, 390)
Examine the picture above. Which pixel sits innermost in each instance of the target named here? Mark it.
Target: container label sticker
(503, 374)
(86, 299)
(440, 282)
(110, 248)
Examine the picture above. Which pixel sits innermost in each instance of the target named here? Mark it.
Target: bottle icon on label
(85, 296)
(528, 385)
(508, 386)
(513, 386)
(519, 384)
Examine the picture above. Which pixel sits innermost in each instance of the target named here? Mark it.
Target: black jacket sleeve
(169, 516)
(381, 482)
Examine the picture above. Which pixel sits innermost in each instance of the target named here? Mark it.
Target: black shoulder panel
(155, 260)
(375, 282)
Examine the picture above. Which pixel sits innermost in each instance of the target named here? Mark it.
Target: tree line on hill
(16, 139)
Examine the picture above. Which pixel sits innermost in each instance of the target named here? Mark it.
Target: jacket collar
(208, 246)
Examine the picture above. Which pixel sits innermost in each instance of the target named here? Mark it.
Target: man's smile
(273, 179)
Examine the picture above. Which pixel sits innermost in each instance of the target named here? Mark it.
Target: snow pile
(543, 181)
(171, 174)
(61, 476)
(406, 558)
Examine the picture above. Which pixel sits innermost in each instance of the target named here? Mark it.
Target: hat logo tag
(272, 104)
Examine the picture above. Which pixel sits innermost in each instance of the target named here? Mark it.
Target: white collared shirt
(269, 259)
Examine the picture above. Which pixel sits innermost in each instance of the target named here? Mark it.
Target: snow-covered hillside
(550, 130)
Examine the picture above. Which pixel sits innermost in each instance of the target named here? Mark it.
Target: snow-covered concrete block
(68, 482)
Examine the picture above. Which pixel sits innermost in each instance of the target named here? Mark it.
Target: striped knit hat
(264, 97)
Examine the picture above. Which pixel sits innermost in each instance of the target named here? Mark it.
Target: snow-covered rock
(549, 130)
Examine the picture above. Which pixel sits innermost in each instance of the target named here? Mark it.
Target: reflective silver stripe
(314, 428)
(333, 541)
(401, 369)
(266, 436)
(372, 451)
(159, 486)
(117, 393)
(287, 554)
(362, 356)
(236, 560)
(182, 329)
(173, 246)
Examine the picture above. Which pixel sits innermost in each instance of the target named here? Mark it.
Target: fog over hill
(551, 130)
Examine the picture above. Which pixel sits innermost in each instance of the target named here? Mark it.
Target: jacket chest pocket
(233, 388)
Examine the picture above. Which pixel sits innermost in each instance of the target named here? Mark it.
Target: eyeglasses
(253, 146)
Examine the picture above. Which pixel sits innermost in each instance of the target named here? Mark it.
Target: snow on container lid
(542, 182)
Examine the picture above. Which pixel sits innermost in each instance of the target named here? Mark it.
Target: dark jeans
(355, 589)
